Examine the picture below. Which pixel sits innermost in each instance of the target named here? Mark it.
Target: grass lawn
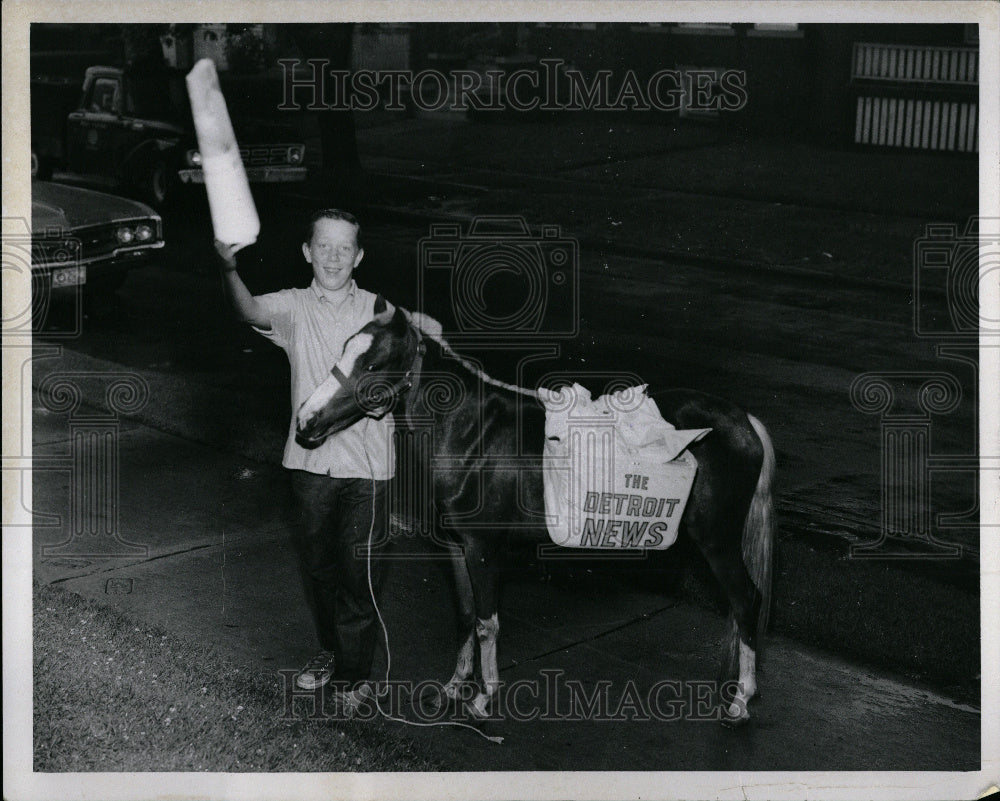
(111, 694)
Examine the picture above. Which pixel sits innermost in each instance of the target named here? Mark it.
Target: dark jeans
(336, 518)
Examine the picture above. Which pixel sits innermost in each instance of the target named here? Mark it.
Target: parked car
(82, 237)
(132, 130)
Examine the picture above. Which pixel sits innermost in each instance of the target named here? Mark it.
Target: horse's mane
(433, 330)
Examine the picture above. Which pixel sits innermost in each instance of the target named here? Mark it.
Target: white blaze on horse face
(315, 402)
(325, 391)
(355, 348)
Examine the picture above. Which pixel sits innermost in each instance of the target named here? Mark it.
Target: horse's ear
(380, 305)
(399, 322)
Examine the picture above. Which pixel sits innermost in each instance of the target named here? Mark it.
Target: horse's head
(375, 369)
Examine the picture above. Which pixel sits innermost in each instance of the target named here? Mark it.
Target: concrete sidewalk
(219, 570)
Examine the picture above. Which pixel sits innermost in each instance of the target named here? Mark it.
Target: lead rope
(385, 630)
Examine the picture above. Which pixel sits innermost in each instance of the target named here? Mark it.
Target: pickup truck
(133, 130)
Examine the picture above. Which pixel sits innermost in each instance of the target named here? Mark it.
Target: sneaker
(317, 672)
(348, 703)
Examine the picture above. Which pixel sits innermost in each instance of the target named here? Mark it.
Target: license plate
(69, 276)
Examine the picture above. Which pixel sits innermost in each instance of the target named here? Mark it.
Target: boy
(337, 483)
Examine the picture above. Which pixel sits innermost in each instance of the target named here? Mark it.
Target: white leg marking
(486, 632)
(463, 667)
(747, 685)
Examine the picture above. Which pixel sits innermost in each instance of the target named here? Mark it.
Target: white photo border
(19, 780)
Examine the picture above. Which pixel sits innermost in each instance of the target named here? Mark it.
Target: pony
(491, 434)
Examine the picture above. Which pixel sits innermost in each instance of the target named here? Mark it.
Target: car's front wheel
(100, 295)
(159, 184)
(41, 168)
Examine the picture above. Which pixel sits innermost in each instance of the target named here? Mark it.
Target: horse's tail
(758, 529)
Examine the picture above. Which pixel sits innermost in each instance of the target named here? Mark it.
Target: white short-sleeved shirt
(312, 329)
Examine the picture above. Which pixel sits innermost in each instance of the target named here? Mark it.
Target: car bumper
(70, 276)
(256, 175)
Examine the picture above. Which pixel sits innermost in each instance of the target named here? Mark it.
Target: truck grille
(271, 155)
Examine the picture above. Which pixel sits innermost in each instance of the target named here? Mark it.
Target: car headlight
(193, 158)
(296, 154)
(124, 235)
(144, 233)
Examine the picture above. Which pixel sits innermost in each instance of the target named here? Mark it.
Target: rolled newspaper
(234, 216)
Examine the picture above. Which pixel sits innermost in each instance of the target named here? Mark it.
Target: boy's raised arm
(246, 305)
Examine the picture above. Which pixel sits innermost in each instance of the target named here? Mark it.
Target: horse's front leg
(487, 632)
(482, 558)
(465, 663)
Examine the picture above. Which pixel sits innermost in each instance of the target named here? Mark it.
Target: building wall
(798, 81)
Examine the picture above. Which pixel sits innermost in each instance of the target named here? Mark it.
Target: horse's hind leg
(725, 558)
(464, 664)
(740, 660)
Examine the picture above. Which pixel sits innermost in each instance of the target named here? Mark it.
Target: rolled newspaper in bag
(234, 216)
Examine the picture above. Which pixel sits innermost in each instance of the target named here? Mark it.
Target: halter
(410, 379)
(413, 374)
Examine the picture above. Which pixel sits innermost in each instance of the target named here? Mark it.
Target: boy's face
(333, 253)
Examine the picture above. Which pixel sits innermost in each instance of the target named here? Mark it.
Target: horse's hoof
(432, 700)
(735, 714)
(478, 707)
(735, 721)
(435, 700)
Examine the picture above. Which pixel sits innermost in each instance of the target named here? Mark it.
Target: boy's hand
(227, 254)
(245, 304)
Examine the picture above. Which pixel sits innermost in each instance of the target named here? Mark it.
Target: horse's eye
(370, 367)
